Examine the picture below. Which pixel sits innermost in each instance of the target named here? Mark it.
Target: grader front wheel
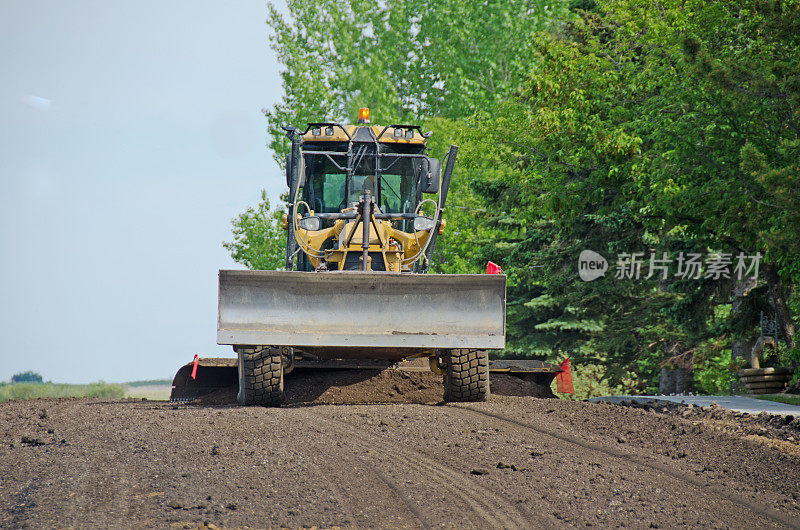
(260, 376)
(466, 375)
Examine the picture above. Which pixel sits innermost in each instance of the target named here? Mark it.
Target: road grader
(364, 215)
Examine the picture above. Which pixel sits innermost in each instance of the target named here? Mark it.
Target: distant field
(150, 382)
(155, 390)
(12, 391)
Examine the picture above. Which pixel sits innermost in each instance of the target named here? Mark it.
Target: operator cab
(337, 167)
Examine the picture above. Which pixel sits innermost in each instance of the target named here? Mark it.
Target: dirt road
(514, 462)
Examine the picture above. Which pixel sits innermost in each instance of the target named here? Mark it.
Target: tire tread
(261, 376)
(466, 375)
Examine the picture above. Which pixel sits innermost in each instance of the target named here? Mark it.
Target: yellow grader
(365, 211)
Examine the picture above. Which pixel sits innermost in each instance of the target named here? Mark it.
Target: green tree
(27, 377)
(669, 129)
(404, 59)
(259, 241)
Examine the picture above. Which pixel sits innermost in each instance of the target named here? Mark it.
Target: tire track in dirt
(701, 485)
(348, 500)
(116, 492)
(490, 508)
(340, 495)
(407, 502)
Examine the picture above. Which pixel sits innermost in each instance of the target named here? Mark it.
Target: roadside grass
(789, 400)
(14, 391)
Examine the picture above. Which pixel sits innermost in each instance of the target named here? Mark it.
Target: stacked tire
(466, 375)
(260, 376)
(765, 380)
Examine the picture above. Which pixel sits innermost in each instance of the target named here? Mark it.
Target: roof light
(398, 133)
(363, 115)
(316, 132)
(409, 134)
(328, 131)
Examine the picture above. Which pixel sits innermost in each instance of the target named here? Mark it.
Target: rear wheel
(260, 376)
(466, 375)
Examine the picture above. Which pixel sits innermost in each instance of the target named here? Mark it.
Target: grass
(13, 391)
(158, 391)
(150, 382)
(789, 400)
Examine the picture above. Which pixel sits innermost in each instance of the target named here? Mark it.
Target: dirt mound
(351, 387)
(518, 385)
(765, 426)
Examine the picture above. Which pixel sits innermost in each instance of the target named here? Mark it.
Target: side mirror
(302, 171)
(430, 175)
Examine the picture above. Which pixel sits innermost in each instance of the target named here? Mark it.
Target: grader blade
(212, 375)
(357, 310)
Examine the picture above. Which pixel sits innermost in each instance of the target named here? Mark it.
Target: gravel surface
(513, 462)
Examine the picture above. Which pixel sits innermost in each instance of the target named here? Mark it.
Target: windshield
(395, 189)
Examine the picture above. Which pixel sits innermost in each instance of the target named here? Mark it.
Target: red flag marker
(493, 268)
(564, 379)
(194, 367)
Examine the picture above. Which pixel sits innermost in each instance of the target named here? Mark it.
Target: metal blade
(361, 309)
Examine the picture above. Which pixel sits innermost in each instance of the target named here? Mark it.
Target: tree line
(661, 136)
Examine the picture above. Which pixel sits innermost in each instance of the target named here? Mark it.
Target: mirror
(289, 171)
(430, 175)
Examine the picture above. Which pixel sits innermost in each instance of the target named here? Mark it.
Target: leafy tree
(641, 129)
(27, 377)
(625, 126)
(259, 241)
(405, 59)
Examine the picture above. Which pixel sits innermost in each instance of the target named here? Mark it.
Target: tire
(260, 376)
(466, 375)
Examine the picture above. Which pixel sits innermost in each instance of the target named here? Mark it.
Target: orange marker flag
(194, 367)
(564, 379)
(493, 268)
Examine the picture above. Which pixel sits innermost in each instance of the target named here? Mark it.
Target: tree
(669, 129)
(27, 377)
(406, 60)
(259, 241)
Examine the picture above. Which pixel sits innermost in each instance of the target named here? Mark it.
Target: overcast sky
(131, 134)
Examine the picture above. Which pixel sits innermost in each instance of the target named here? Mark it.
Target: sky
(131, 134)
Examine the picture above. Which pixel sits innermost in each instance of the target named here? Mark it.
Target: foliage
(714, 368)
(641, 130)
(621, 126)
(259, 241)
(17, 391)
(27, 377)
(589, 381)
(404, 59)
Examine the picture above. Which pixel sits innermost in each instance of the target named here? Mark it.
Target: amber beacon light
(363, 115)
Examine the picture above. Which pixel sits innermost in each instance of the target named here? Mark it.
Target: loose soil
(352, 387)
(388, 453)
